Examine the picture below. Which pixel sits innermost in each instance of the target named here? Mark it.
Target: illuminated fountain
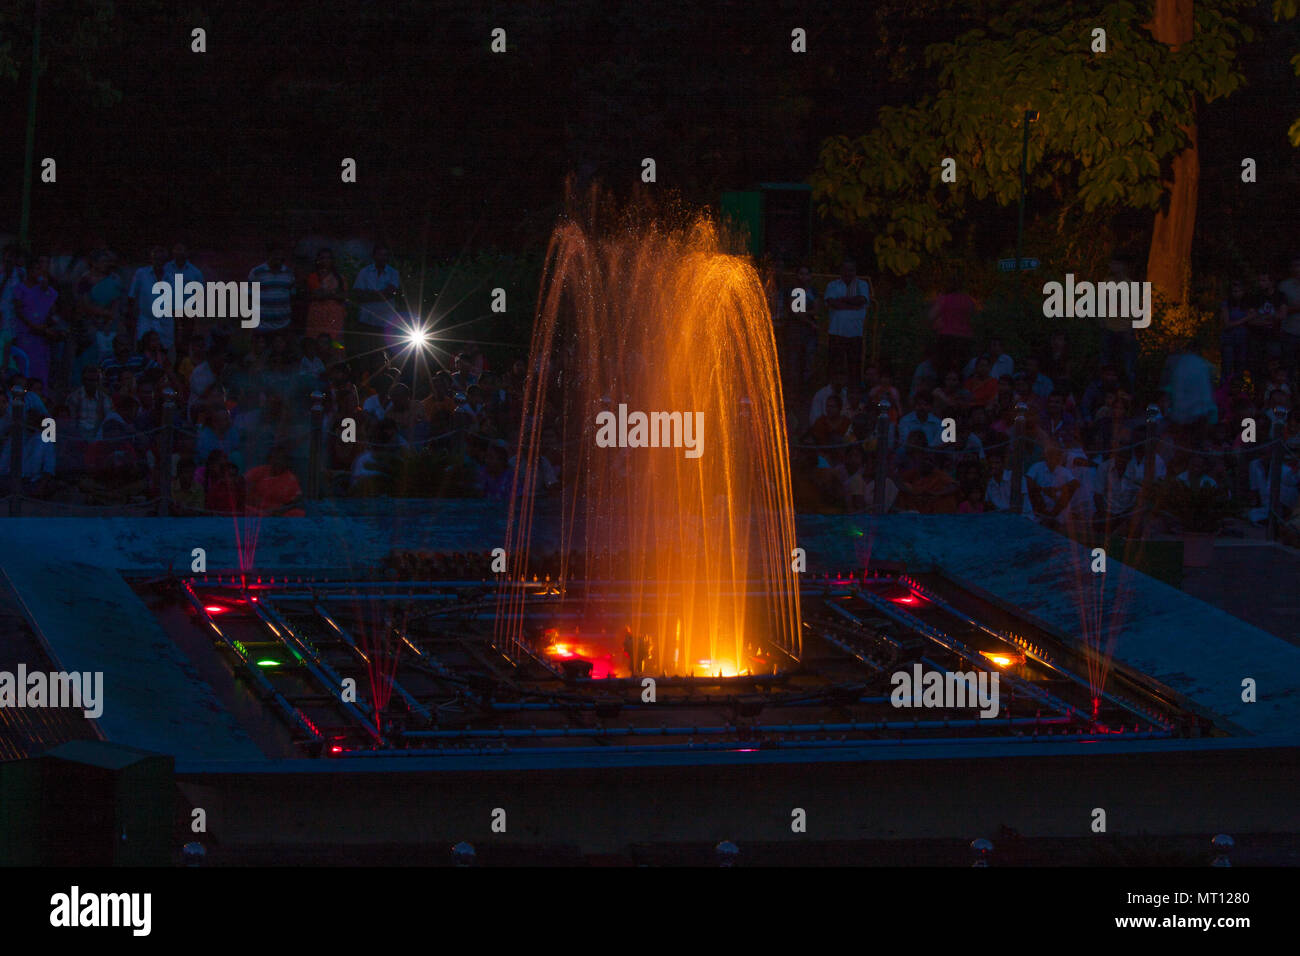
(655, 341)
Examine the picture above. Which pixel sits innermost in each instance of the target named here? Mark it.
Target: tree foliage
(77, 37)
(1108, 121)
(1286, 10)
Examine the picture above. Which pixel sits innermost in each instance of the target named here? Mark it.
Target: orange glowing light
(1002, 659)
(712, 668)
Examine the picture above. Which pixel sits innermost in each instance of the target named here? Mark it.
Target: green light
(268, 663)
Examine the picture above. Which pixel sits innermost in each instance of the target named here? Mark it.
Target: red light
(905, 599)
(215, 609)
(336, 749)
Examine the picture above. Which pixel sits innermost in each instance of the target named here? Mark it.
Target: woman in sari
(327, 296)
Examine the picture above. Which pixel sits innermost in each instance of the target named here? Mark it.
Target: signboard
(1009, 265)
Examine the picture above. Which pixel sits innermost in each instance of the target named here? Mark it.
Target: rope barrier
(1253, 449)
(148, 506)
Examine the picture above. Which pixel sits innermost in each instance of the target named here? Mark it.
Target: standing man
(800, 330)
(847, 299)
(275, 291)
(377, 290)
(140, 299)
(180, 265)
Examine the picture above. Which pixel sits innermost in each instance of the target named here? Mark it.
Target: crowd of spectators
(93, 355)
(948, 442)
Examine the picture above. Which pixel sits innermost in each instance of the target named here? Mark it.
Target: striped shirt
(276, 292)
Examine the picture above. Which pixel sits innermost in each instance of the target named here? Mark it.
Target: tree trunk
(1169, 259)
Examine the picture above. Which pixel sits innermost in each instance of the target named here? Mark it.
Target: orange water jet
(697, 550)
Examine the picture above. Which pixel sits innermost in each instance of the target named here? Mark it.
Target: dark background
(460, 148)
(455, 145)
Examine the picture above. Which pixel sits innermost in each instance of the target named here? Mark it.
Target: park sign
(1009, 265)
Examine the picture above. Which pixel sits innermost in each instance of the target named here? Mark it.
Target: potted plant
(1198, 511)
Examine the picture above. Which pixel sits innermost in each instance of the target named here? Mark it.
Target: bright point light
(268, 663)
(417, 337)
(1003, 660)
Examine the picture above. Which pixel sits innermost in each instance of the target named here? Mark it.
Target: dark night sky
(458, 147)
(250, 134)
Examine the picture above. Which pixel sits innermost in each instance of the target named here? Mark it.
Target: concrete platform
(89, 620)
(69, 574)
(1257, 581)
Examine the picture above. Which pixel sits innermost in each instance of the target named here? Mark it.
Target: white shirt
(911, 422)
(858, 485)
(365, 466)
(1135, 473)
(1290, 482)
(1050, 481)
(848, 322)
(998, 493)
(369, 279)
(1085, 473)
(141, 290)
(1114, 490)
(1045, 476)
(38, 455)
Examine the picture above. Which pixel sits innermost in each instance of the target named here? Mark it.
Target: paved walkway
(1256, 581)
